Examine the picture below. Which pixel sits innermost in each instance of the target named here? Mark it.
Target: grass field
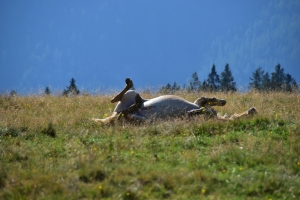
(50, 149)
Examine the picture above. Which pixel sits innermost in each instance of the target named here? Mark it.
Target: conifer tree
(175, 87)
(168, 86)
(278, 78)
(227, 81)
(194, 83)
(13, 93)
(290, 83)
(71, 89)
(266, 82)
(205, 86)
(166, 89)
(295, 86)
(47, 91)
(257, 79)
(213, 80)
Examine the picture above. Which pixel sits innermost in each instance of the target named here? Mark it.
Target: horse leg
(208, 112)
(107, 120)
(130, 112)
(129, 85)
(249, 112)
(135, 118)
(135, 107)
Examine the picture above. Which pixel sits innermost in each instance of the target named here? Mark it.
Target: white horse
(134, 108)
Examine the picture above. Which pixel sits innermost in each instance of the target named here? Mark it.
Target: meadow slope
(50, 149)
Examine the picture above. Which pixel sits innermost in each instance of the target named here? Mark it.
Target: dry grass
(50, 149)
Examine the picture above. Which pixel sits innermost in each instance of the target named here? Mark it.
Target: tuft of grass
(3, 177)
(50, 131)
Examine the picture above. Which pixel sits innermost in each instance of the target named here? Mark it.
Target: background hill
(99, 43)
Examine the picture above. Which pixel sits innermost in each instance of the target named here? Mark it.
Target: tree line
(260, 81)
(214, 82)
(276, 81)
(70, 90)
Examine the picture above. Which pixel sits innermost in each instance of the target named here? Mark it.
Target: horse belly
(166, 107)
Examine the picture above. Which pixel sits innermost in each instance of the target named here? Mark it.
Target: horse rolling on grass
(133, 108)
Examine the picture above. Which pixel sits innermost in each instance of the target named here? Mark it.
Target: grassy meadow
(50, 149)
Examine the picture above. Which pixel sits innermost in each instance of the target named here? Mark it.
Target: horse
(133, 108)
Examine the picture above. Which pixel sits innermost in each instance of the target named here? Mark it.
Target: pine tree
(257, 79)
(290, 83)
(213, 79)
(205, 86)
(227, 81)
(13, 93)
(295, 86)
(47, 91)
(194, 83)
(72, 88)
(166, 89)
(278, 78)
(175, 87)
(266, 82)
(168, 86)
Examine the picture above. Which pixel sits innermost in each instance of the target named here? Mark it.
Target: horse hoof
(127, 81)
(252, 111)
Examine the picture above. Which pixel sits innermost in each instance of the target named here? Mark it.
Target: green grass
(50, 149)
